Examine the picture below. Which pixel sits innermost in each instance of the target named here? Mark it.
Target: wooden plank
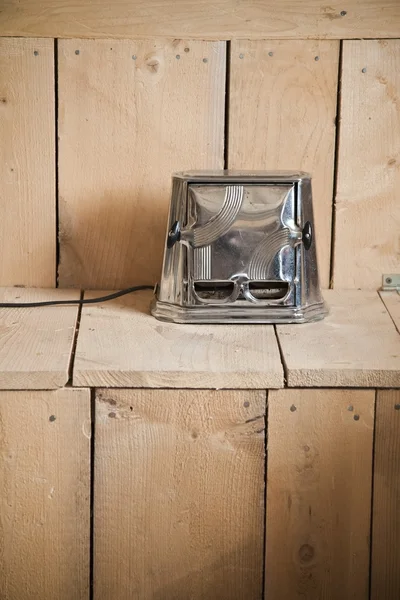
(121, 345)
(179, 494)
(356, 345)
(392, 302)
(27, 163)
(367, 242)
(125, 125)
(36, 343)
(385, 574)
(44, 495)
(319, 494)
(202, 18)
(282, 116)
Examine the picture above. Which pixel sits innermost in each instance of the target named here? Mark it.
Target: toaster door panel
(241, 233)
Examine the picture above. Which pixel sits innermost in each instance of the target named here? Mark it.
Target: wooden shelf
(36, 343)
(121, 345)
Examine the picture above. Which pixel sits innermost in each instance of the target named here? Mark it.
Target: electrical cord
(136, 288)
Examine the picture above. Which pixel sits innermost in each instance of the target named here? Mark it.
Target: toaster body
(240, 248)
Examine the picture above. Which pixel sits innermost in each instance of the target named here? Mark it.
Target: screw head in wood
(316, 58)
(76, 52)
(270, 53)
(205, 60)
(350, 408)
(293, 408)
(356, 417)
(364, 70)
(36, 53)
(177, 56)
(343, 13)
(134, 57)
(52, 418)
(241, 55)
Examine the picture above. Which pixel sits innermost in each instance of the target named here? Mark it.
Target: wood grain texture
(27, 163)
(202, 18)
(179, 494)
(125, 125)
(367, 240)
(319, 494)
(282, 116)
(44, 495)
(36, 343)
(392, 302)
(356, 345)
(385, 574)
(121, 345)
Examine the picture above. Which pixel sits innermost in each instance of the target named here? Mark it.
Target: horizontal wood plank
(44, 495)
(179, 494)
(282, 111)
(392, 302)
(121, 345)
(385, 573)
(27, 162)
(367, 220)
(356, 345)
(130, 114)
(36, 343)
(319, 494)
(202, 18)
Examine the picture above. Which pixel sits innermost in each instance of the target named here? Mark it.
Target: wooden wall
(92, 129)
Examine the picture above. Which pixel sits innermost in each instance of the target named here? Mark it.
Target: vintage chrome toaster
(240, 248)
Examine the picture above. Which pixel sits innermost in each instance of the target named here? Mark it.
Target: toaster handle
(307, 235)
(174, 234)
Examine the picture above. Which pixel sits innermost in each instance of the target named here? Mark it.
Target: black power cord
(136, 288)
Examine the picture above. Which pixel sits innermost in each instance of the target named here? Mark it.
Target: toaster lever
(174, 234)
(307, 235)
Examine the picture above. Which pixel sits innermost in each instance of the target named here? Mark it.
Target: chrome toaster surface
(240, 248)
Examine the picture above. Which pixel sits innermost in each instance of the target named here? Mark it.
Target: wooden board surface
(121, 345)
(27, 163)
(36, 343)
(125, 125)
(385, 574)
(282, 116)
(392, 303)
(44, 495)
(367, 241)
(356, 345)
(179, 494)
(319, 494)
(202, 18)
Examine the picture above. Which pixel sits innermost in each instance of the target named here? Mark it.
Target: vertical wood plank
(130, 113)
(385, 573)
(282, 117)
(44, 495)
(179, 494)
(367, 240)
(27, 163)
(319, 494)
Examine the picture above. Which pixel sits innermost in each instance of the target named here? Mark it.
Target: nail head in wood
(293, 408)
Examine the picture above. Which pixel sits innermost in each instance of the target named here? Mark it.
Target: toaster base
(164, 311)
